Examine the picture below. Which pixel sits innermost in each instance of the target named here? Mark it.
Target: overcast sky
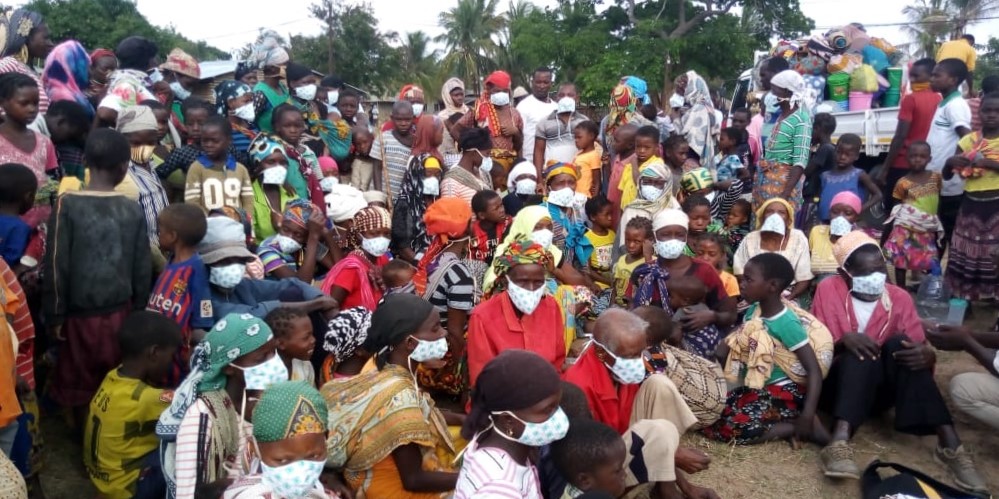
(228, 26)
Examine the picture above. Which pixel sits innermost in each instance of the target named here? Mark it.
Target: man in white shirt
(535, 108)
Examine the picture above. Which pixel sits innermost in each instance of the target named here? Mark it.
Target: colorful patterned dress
(912, 244)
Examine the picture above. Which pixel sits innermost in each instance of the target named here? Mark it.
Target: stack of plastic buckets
(838, 85)
(894, 93)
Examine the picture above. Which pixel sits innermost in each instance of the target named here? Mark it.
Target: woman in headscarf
(25, 37)
(521, 188)
(234, 101)
(180, 72)
(271, 192)
(67, 75)
(386, 435)
(779, 173)
(303, 246)
(272, 58)
(420, 188)
(129, 84)
(655, 194)
(495, 112)
(343, 343)
(356, 280)
(775, 233)
(698, 124)
(518, 391)
(204, 431)
(445, 279)
(519, 312)
(623, 109)
(102, 63)
(289, 428)
(342, 204)
(670, 229)
(453, 97)
(467, 177)
(246, 73)
(570, 231)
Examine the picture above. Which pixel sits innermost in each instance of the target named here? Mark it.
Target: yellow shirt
(622, 277)
(823, 261)
(127, 187)
(600, 260)
(588, 164)
(121, 432)
(730, 283)
(627, 185)
(989, 180)
(958, 49)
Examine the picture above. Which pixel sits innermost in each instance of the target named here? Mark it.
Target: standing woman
(234, 101)
(570, 231)
(102, 63)
(420, 187)
(464, 179)
(24, 38)
(67, 75)
(356, 280)
(698, 124)
(453, 97)
(496, 112)
(272, 58)
(515, 411)
(779, 173)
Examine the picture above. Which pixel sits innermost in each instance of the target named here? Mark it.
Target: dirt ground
(765, 471)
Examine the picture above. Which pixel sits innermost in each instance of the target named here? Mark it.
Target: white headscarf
(343, 202)
(666, 218)
(802, 95)
(519, 169)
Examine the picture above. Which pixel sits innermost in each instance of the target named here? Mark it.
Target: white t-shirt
(863, 310)
(951, 114)
(533, 112)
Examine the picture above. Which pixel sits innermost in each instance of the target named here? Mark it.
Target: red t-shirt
(350, 279)
(611, 403)
(918, 109)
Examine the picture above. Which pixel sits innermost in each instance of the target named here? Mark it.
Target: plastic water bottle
(933, 297)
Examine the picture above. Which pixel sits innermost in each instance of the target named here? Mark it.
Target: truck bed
(876, 127)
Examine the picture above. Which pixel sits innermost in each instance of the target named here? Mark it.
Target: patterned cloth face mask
(840, 226)
(227, 276)
(774, 223)
(429, 350)
(538, 434)
(294, 480)
(627, 371)
(543, 238)
(670, 250)
(871, 285)
(288, 245)
(562, 197)
(524, 299)
(264, 374)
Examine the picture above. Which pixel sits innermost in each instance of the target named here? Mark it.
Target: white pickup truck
(876, 127)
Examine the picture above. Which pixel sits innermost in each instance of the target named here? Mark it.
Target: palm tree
(964, 13)
(468, 37)
(508, 58)
(419, 64)
(935, 21)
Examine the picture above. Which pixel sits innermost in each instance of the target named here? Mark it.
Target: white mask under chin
(774, 223)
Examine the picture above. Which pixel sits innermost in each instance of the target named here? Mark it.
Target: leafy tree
(469, 28)
(104, 23)
(934, 21)
(420, 64)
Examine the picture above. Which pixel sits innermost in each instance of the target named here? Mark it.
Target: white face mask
(332, 97)
(538, 434)
(487, 163)
(526, 186)
(431, 186)
(307, 92)
(287, 244)
(245, 112)
(418, 109)
(774, 223)
(429, 350)
(543, 237)
(500, 99)
(562, 197)
(566, 105)
(650, 192)
(327, 183)
(274, 175)
(295, 480)
(670, 250)
(264, 374)
(626, 371)
(871, 285)
(179, 91)
(227, 276)
(524, 299)
(376, 246)
(840, 226)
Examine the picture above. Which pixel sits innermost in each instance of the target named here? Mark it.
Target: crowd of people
(268, 293)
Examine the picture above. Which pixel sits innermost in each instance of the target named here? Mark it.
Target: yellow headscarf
(521, 228)
(763, 208)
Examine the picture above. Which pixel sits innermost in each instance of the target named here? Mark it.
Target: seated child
(397, 276)
(845, 211)
(637, 235)
(488, 227)
(774, 402)
(687, 294)
(215, 179)
(737, 225)
(181, 291)
(17, 195)
(601, 236)
(728, 164)
(360, 165)
(296, 342)
(721, 195)
(122, 455)
(911, 237)
(711, 248)
(591, 458)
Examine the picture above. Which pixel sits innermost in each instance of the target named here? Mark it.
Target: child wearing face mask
(845, 210)
(181, 291)
(356, 280)
(303, 247)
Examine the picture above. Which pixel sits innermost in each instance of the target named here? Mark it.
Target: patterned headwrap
(657, 169)
(98, 53)
(410, 91)
(267, 51)
(136, 119)
(289, 409)
(228, 89)
(243, 69)
(623, 106)
(370, 218)
(519, 252)
(445, 219)
(264, 145)
(521, 228)
(554, 168)
(850, 243)
(638, 87)
(696, 179)
(15, 31)
(67, 74)
(297, 211)
(763, 208)
(183, 63)
(346, 332)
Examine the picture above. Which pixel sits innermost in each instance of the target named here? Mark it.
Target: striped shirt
(722, 202)
(395, 155)
(456, 289)
(152, 196)
(491, 472)
(24, 328)
(791, 140)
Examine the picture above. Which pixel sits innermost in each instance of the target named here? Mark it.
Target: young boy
(588, 161)
(728, 164)
(491, 222)
(67, 124)
(713, 250)
(637, 235)
(397, 275)
(951, 122)
(591, 458)
(601, 235)
(847, 177)
(737, 225)
(174, 168)
(120, 442)
(216, 179)
(296, 342)
(623, 160)
(687, 294)
(97, 268)
(676, 153)
(181, 291)
(17, 195)
(360, 164)
(822, 159)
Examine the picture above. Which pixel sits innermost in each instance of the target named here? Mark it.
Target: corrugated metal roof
(211, 69)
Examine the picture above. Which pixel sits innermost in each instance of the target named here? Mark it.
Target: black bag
(908, 481)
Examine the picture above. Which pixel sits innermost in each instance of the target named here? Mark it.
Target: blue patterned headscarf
(67, 74)
(264, 145)
(638, 87)
(228, 89)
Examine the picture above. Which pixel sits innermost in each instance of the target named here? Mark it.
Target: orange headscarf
(446, 219)
(423, 140)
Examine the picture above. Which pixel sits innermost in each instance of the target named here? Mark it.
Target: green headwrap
(289, 409)
(232, 337)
